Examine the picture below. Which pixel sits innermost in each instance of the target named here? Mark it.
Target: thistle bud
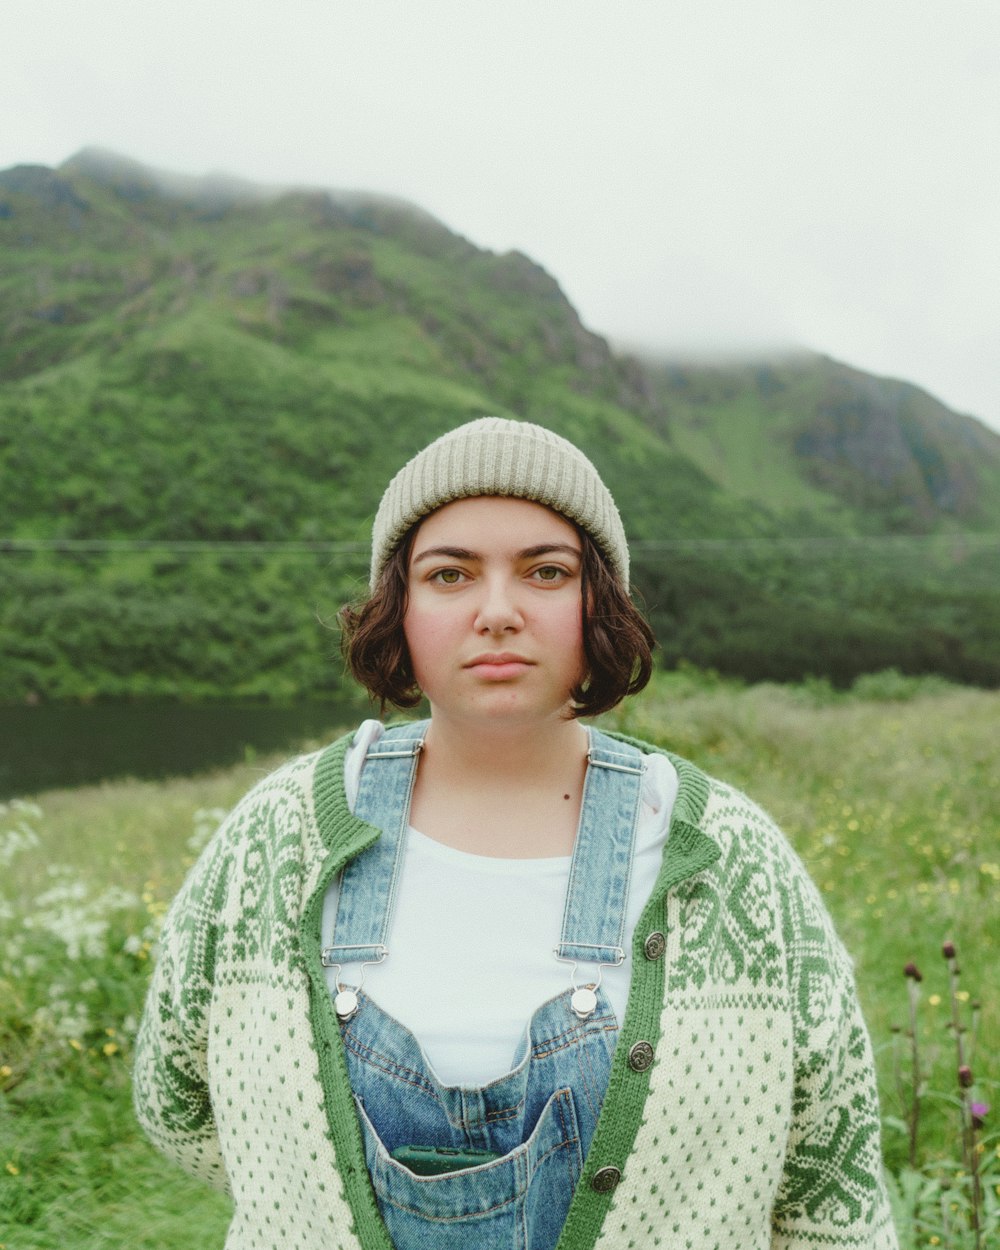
(913, 972)
(948, 950)
(965, 1076)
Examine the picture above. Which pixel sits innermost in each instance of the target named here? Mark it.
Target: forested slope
(204, 387)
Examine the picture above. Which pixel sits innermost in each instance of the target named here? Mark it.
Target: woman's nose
(498, 611)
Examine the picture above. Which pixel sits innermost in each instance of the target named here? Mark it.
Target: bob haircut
(617, 640)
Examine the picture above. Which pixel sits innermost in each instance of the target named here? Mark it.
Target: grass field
(890, 793)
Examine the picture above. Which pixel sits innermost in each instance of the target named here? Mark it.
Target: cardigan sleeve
(170, 1078)
(832, 1190)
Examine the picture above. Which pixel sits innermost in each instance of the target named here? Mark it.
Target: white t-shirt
(472, 938)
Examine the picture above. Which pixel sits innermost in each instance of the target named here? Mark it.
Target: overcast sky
(708, 175)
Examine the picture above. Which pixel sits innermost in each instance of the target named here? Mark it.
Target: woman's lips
(498, 666)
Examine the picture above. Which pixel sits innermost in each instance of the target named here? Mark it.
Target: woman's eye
(447, 577)
(549, 573)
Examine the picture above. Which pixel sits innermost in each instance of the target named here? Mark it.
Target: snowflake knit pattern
(755, 1125)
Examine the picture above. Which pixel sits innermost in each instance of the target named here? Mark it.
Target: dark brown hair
(617, 640)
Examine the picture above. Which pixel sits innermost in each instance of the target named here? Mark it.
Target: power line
(86, 546)
(646, 546)
(888, 542)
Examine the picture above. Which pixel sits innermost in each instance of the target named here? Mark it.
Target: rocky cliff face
(878, 448)
(884, 444)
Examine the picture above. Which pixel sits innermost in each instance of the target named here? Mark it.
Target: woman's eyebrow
(452, 553)
(528, 553)
(544, 549)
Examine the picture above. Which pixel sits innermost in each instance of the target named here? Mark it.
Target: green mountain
(821, 443)
(205, 384)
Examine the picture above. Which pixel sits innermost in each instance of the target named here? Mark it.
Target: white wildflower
(62, 1018)
(72, 1023)
(10, 955)
(70, 888)
(41, 1019)
(206, 821)
(21, 835)
(79, 923)
(21, 807)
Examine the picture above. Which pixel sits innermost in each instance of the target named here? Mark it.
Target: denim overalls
(540, 1117)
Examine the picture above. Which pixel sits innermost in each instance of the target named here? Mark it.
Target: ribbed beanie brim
(496, 456)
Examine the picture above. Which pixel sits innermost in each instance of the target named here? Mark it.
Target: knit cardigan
(756, 1125)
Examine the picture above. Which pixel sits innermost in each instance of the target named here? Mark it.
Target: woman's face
(493, 619)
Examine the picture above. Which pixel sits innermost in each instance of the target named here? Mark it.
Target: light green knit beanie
(494, 456)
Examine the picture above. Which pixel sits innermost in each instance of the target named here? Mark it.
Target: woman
(494, 978)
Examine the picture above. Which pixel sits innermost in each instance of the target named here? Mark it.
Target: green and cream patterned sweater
(755, 1126)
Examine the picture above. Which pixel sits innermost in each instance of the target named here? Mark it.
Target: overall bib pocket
(518, 1201)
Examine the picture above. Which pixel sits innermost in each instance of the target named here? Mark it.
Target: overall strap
(369, 882)
(593, 927)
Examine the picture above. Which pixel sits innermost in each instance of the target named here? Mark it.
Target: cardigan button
(605, 1180)
(654, 945)
(640, 1057)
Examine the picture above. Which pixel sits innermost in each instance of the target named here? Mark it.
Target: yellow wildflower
(6, 1071)
(75, 1044)
(13, 1169)
(935, 1000)
(110, 1048)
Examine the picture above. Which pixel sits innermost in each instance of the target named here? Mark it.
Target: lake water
(55, 745)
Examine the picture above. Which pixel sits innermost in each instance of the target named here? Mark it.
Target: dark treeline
(263, 625)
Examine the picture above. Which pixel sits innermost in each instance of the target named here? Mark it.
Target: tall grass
(890, 793)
